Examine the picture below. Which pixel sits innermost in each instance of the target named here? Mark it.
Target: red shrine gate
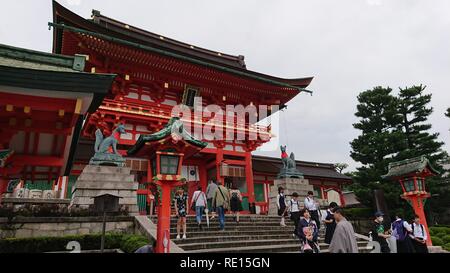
(155, 73)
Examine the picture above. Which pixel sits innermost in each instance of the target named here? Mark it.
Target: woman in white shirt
(200, 202)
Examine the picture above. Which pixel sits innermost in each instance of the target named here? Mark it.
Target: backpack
(400, 231)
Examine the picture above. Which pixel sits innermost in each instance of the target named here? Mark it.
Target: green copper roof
(173, 126)
(25, 58)
(412, 165)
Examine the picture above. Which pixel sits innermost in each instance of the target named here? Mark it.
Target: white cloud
(73, 2)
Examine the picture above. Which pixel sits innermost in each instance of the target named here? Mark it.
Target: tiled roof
(25, 58)
(412, 165)
(309, 169)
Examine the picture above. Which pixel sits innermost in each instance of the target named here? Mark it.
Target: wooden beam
(36, 160)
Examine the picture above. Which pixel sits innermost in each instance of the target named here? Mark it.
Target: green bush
(440, 235)
(436, 241)
(446, 246)
(128, 243)
(446, 239)
(440, 229)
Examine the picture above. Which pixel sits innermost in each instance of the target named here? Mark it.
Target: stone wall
(97, 180)
(25, 227)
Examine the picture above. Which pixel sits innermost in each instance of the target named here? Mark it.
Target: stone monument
(106, 174)
(291, 179)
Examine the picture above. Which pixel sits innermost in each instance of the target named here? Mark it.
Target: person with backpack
(419, 236)
(235, 202)
(210, 191)
(221, 202)
(281, 205)
(308, 233)
(294, 210)
(378, 233)
(401, 231)
(198, 204)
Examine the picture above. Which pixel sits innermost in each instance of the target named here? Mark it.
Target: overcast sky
(347, 45)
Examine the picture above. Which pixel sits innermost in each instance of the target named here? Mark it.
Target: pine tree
(414, 110)
(377, 145)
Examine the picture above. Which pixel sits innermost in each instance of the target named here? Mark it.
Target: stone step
(93, 193)
(228, 218)
(106, 185)
(233, 223)
(114, 177)
(239, 227)
(218, 238)
(288, 247)
(106, 169)
(231, 232)
(246, 243)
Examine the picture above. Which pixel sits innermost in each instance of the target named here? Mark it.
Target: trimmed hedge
(446, 246)
(127, 243)
(440, 230)
(446, 239)
(437, 241)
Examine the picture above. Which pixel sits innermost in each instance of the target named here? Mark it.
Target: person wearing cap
(312, 206)
(294, 209)
(344, 240)
(379, 234)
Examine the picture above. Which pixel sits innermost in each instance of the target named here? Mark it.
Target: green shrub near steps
(446, 239)
(127, 243)
(446, 246)
(437, 241)
(440, 229)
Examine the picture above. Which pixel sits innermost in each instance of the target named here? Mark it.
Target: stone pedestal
(290, 185)
(96, 180)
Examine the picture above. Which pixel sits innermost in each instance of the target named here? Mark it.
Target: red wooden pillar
(417, 204)
(219, 159)
(203, 176)
(341, 196)
(249, 177)
(163, 227)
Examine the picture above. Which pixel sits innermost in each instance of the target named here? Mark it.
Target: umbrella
(207, 217)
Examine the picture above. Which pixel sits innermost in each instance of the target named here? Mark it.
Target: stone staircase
(254, 234)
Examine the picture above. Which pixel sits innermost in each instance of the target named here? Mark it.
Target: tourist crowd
(400, 236)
